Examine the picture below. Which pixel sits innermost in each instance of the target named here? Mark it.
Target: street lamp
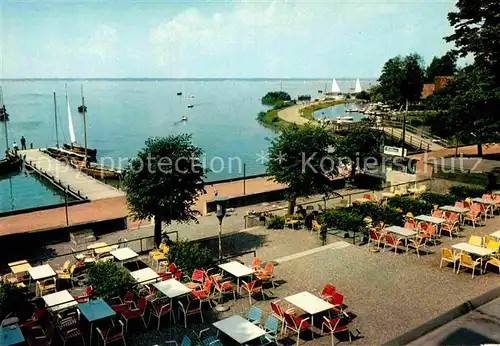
(221, 212)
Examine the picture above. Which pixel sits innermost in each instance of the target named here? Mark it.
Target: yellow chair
(475, 240)
(494, 261)
(316, 227)
(67, 275)
(493, 245)
(488, 238)
(467, 261)
(46, 286)
(161, 256)
(158, 251)
(447, 255)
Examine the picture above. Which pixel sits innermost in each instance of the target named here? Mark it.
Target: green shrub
(11, 299)
(188, 255)
(386, 214)
(440, 199)
(345, 219)
(108, 280)
(273, 98)
(462, 191)
(276, 222)
(409, 205)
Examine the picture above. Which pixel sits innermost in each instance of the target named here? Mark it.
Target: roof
(428, 89)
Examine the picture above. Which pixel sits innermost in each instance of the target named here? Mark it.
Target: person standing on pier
(23, 143)
(14, 145)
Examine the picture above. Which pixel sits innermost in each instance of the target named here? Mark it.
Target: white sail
(335, 86)
(358, 87)
(70, 123)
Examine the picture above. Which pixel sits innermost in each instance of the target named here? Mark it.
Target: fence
(417, 131)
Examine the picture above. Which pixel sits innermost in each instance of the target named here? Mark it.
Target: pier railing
(416, 131)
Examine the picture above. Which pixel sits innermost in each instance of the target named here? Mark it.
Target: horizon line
(182, 78)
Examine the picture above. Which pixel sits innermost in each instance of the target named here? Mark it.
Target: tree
(303, 158)
(164, 180)
(443, 66)
(469, 104)
(275, 98)
(359, 144)
(402, 79)
(363, 95)
(477, 28)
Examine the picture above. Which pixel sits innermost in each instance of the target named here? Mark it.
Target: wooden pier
(67, 177)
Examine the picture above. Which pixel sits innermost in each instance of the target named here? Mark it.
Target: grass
(271, 120)
(307, 112)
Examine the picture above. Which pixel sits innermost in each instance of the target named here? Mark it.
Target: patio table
(124, 254)
(495, 192)
(59, 301)
(97, 245)
(491, 202)
(454, 209)
(13, 264)
(41, 272)
(95, 310)
(20, 268)
(309, 303)
(401, 231)
(145, 276)
(101, 250)
(431, 219)
(496, 234)
(473, 249)
(238, 270)
(239, 329)
(11, 335)
(172, 288)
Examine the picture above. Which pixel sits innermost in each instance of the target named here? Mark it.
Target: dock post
(66, 206)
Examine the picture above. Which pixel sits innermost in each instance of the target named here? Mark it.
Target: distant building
(439, 82)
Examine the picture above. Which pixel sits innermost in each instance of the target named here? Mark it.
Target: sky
(219, 39)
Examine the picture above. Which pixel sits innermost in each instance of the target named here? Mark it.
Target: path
(412, 139)
(292, 114)
(68, 177)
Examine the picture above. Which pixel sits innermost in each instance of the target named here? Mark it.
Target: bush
(189, 255)
(440, 199)
(273, 98)
(462, 191)
(409, 205)
(11, 299)
(345, 219)
(276, 222)
(386, 214)
(108, 280)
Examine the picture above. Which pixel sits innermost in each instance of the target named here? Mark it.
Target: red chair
(327, 292)
(266, 274)
(192, 308)
(138, 311)
(296, 324)
(225, 287)
(367, 196)
(391, 241)
(459, 204)
(436, 213)
(252, 287)
(374, 238)
(256, 264)
(196, 279)
(422, 225)
(337, 300)
(112, 334)
(335, 325)
(410, 224)
(85, 298)
(451, 225)
(160, 309)
(204, 294)
(279, 313)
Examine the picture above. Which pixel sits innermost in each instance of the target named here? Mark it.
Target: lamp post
(221, 212)
(66, 205)
(404, 131)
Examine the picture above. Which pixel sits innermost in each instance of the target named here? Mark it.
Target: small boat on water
(10, 164)
(184, 118)
(190, 106)
(179, 93)
(4, 116)
(82, 108)
(78, 149)
(95, 170)
(343, 120)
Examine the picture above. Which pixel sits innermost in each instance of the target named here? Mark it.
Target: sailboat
(358, 89)
(73, 146)
(93, 169)
(335, 87)
(11, 162)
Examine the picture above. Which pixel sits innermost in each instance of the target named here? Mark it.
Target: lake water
(122, 114)
(21, 191)
(338, 111)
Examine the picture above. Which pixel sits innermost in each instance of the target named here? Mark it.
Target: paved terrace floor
(390, 294)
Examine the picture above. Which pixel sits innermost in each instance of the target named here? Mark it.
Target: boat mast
(4, 120)
(84, 126)
(55, 117)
